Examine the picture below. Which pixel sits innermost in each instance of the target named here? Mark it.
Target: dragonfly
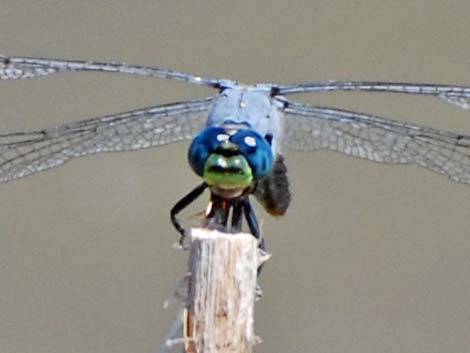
(237, 135)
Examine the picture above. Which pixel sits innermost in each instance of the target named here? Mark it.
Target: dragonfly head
(230, 159)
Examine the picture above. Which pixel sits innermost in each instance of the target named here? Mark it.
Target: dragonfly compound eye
(203, 145)
(256, 150)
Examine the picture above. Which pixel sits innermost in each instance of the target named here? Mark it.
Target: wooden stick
(223, 271)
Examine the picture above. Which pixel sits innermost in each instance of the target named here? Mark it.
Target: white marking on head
(250, 141)
(222, 137)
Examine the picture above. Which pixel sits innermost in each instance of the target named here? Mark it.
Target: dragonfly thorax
(249, 107)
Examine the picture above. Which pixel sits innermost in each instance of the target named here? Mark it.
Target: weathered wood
(223, 271)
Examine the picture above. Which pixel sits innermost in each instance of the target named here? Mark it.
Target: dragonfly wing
(174, 340)
(456, 95)
(12, 68)
(377, 139)
(25, 153)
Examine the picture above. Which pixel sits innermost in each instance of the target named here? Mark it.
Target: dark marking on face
(269, 138)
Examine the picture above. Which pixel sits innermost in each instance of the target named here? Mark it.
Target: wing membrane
(457, 95)
(25, 153)
(12, 68)
(377, 139)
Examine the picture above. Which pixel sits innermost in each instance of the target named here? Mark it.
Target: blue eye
(256, 150)
(205, 143)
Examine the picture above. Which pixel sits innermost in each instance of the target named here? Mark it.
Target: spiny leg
(181, 205)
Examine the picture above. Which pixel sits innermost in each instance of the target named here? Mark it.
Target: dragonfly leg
(254, 227)
(181, 205)
(253, 223)
(237, 217)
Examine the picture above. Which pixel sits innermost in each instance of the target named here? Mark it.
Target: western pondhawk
(237, 135)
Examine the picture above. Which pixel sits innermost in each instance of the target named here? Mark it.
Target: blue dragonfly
(237, 135)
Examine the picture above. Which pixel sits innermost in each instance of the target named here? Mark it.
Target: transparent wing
(25, 153)
(12, 68)
(377, 139)
(174, 340)
(457, 95)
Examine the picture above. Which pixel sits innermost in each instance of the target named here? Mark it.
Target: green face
(228, 172)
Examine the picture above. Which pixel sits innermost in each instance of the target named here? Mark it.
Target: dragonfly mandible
(237, 135)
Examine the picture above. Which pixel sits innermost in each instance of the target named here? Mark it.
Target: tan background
(370, 258)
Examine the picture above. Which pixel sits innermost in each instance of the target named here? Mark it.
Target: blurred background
(370, 258)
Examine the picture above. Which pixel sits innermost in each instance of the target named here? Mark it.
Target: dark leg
(253, 223)
(181, 205)
(254, 227)
(237, 217)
